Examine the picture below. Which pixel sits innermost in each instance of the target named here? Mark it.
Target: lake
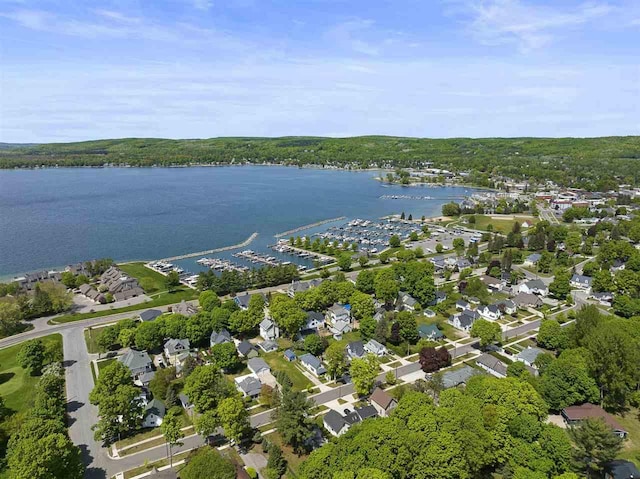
(53, 217)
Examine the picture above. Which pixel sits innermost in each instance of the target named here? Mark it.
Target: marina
(258, 258)
(222, 265)
(312, 225)
(283, 246)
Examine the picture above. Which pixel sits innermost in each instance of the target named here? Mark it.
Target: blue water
(53, 217)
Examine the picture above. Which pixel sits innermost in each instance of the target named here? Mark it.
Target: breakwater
(246, 242)
(306, 227)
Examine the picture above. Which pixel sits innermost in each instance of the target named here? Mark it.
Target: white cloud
(349, 35)
(530, 26)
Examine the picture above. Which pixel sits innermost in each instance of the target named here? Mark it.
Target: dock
(306, 227)
(283, 247)
(246, 242)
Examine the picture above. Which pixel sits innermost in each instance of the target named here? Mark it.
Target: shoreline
(306, 227)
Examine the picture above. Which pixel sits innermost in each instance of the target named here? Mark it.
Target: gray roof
(135, 359)
(579, 278)
(334, 420)
(257, 364)
(145, 378)
(312, 361)
(375, 346)
(530, 354)
(185, 309)
(407, 299)
(176, 346)
(267, 324)
(155, 406)
(492, 363)
(220, 337)
(459, 376)
(525, 299)
(534, 258)
(243, 300)
(356, 349)
(341, 325)
(366, 412)
(250, 386)
(536, 284)
(429, 331)
(268, 346)
(150, 314)
(245, 347)
(338, 310)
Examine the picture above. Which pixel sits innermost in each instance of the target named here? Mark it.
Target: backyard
(501, 225)
(279, 363)
(151, 281)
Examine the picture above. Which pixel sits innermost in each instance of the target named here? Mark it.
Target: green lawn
(278, 363)
(499, 224)
(151, 281)
(16, 386)
(631, 448)
(104, 363)
(160, 300)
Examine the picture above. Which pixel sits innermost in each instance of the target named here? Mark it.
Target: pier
(312, 225)
(283, 247)
(213, 251)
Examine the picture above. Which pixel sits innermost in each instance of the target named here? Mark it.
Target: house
(313, 323)
(527, 300)
(337, 424)
(383, 402)
(339, 328)
(185, 309)
(375, 348)
(506, 306)
(186, 403)
(461, 304)
(355, 349)
(492, 284)
(492, 365)
(149, 315)
(120, 285)
(604, 298)
(154, 413)
(430, 332)
(532, 259)
(529, 355)
(313, 364)
(269, 329)
(490, 312)
(301, 286)
(406, 302)
(246, 349)
(440, 297)
(526, 224)
(91, 293)
(581, 282)
(242, 300)
(249, 385)
(617, 266)
(575, 414)
(144, 379)
(138, 362)
(337, 312)
(379, 314)
(268, 346)
(464, 320)
(175, 347)
(452, 379)
(462, 263)
(290, 355)
(534, 286)
(223, 336)
(621, 469)
(429, 313)
(257, 365)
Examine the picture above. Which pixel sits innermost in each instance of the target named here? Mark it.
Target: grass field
(104, 363)
(151, 281)
(278, 363)
(631, 448)
(16, 385)
(161, 300)
(501, 225)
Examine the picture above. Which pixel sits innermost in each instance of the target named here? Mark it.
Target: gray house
(138, 362)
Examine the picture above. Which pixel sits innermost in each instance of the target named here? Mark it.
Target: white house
(529, 355)
(406, 302)
(581, 282)
(312, 364)
(337, 312)
(507, 306)
(464, 320)
(314, 322)
(532, 259)
(383, 402)
(376, 348)
(490, 312)
(154, 413)
(269, 329)
(534, 286)
(174, 347)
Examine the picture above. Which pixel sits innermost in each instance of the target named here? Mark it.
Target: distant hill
(9, 146)
(576, 161)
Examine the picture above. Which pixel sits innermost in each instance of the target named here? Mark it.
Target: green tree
(365, 281)
(127, 337)
(363, 373)
(361, 305)
(552, 335)
(394, 241)
(225, 356)
(162, 381)
(314, 344)
(170, 427)
(208, 300)
(277, 464)
(32, 356)
(207, 423)
(386, 286)
(336, 359)
(234, 418)
(205, 462)
(451, 209)
(487, 331)
(344, 262)
(408, 326)
(206, 387)
(10, 318)
(565, 383)
(368, 328)
(172, 281)
(293, 418)
(363, 261)
(287, 314)
(595, 445)
(149, 336)
(560, 287)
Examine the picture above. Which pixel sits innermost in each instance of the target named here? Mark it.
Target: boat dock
(284, 247)
(222, 265)
(254, 257)
(246, 242)
(306, 227)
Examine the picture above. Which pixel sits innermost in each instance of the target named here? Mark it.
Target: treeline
(234, 281)
(594, 163)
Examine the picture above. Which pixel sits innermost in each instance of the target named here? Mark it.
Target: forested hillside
(566, 160)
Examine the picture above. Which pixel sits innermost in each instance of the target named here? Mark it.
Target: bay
(53, 217)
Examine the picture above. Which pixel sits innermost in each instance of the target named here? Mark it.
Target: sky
(81, 70)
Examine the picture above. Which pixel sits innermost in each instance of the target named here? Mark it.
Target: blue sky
(78, 70)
